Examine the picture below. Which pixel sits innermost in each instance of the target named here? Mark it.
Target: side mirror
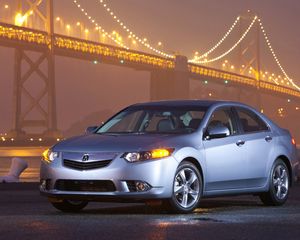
(217, 132)
(91, 129)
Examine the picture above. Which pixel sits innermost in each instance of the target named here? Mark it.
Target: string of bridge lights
(230, 49)
(130, 32)
(275, 56)
(220, 42)
(197, 59)
(98, 26)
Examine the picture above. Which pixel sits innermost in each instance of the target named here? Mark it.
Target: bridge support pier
(171, 84)
(34, 96)
(34, 84)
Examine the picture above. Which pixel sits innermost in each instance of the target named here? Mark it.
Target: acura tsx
(174, 152)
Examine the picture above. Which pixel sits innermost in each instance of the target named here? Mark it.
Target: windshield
(154, 120)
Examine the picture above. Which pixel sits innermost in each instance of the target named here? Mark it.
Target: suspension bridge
(170, 74)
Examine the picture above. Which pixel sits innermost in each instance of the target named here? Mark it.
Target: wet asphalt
(24, 214)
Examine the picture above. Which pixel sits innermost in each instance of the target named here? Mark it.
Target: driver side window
(223, 117)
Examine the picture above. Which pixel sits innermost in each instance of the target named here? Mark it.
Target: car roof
(184, 103)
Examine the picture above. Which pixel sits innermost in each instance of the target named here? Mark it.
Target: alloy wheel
(186, 187)
(280, 181)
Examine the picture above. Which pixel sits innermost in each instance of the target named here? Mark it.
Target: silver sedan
(174, 153)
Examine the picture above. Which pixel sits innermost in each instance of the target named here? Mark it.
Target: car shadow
(206, 206)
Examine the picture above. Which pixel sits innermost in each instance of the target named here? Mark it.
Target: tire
(69, 206)
(279, 182)
(186, 189)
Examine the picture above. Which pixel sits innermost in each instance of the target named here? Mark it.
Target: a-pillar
(171, 84)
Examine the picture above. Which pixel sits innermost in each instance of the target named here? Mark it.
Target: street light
(86, 32)
(68, 29)
(20, 19)
(81, 27)
(60, 23)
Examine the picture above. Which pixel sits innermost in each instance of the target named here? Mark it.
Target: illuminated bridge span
(170, 74)
(13, 36)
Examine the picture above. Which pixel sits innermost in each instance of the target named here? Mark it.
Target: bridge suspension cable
(131, 33)
(97, 25)
(275, 56)
(124, 27)
(230, 49)
(204, 55)
(198, 59)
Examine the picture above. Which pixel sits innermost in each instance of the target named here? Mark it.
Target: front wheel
(187, 188)
(69, 206)
(279, 185)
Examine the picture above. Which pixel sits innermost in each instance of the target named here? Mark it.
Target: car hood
(115, 143)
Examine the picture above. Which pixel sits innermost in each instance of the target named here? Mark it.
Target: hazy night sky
(182, 27)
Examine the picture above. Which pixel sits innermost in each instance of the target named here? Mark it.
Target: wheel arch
(197, 164)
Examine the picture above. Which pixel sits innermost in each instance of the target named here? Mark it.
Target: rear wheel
(187, 188)
(279, 185)
(69, 206)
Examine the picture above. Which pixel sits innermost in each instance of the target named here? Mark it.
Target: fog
(84, 88)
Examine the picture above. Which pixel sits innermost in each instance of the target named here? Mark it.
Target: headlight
(49, 156)
(148, 155)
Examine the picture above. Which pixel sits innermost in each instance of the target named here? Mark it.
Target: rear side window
(250, 121)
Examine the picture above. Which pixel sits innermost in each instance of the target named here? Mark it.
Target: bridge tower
(34, 106)
(171, 84)
(249, 57)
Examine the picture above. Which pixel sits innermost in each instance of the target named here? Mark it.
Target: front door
(226, 162)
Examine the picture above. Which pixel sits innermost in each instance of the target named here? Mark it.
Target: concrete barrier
(18, 165)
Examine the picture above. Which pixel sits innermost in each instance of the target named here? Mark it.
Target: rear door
(258, 143)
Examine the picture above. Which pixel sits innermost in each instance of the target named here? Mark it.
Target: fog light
(141, 186)
(137, 186)
(45, 184)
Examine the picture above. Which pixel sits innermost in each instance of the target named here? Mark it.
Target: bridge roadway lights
(46, 138)
(18, 165)
(171, 84)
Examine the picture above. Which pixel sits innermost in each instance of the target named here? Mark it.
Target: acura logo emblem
(85, 157)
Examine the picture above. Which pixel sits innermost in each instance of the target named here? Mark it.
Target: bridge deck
(14, 36)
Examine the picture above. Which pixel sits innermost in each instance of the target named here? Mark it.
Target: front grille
(85, 185)
(86, 165)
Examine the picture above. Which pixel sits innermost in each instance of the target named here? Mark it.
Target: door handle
(268, 138)
(240, 143)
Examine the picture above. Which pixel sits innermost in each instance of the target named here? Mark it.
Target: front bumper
(157, 174)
